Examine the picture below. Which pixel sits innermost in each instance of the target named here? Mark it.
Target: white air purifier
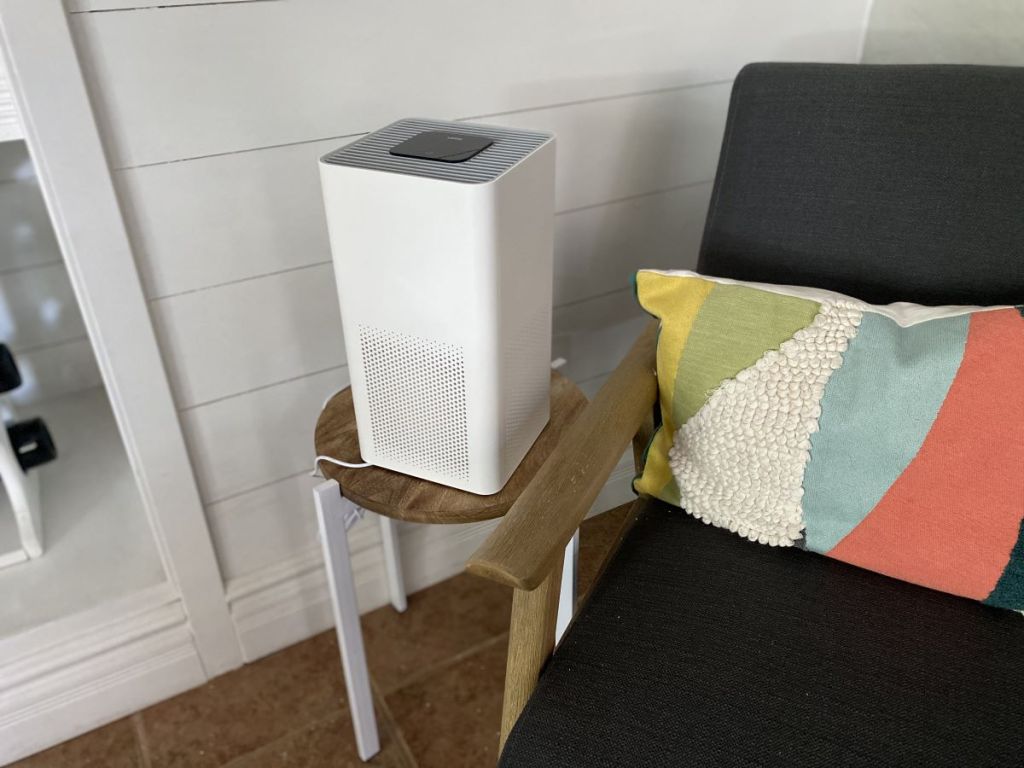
(442, 241)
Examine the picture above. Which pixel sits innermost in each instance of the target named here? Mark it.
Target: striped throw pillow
(890, 437)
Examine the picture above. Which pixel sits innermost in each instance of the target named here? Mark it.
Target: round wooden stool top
(404, 497)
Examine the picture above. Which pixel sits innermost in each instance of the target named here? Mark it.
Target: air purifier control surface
(445, 146)
(444, 275)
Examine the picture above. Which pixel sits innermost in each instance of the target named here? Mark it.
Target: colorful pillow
(890, 437)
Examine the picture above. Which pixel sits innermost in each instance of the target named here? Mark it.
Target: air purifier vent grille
(416, 390)
(528, 380)
(371, 152)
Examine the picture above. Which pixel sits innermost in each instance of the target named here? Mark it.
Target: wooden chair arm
(525, 548)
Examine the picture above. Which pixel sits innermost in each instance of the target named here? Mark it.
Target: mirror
(73, 528)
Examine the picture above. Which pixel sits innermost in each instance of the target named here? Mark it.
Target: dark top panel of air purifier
(442, 146)
(486, 153)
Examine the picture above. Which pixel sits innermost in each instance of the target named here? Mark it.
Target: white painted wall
(946, 31)
(214, 115)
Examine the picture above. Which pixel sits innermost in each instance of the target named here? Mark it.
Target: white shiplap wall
(214, 116)
(946, 32)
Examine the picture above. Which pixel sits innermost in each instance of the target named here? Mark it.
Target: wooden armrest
(528, 544)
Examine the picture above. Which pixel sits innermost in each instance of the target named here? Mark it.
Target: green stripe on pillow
(734, 327)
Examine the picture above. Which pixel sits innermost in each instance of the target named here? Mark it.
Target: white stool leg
(567, 593)
(331, 513)
(393, 563)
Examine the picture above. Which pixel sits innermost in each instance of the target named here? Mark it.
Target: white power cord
(557, 363)
(337, 462)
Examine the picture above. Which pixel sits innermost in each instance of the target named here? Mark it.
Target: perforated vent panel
(416, 390)
(527, 367)
(371, 152)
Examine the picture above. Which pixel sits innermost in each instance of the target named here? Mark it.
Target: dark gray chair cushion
(888, 183)
(699, 648)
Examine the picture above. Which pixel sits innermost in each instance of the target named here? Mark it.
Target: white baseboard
(288, 602)
(72, 676)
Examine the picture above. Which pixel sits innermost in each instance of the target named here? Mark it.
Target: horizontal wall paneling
(250, 334)
(258, 438)
(207, 79)
(214, 220)
(228, 340)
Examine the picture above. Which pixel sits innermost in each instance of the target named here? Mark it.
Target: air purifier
(441, 235)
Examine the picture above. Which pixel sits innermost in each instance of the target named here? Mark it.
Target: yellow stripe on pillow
(676, 303)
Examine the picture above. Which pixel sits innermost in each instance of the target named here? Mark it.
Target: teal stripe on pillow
(869, 430)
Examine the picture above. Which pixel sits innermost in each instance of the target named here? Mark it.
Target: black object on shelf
(10, 376)
(32, 443)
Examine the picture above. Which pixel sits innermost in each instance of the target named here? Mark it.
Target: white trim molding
(65, 144)
(68, 677)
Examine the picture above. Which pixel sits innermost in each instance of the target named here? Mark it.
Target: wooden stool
(346, 493)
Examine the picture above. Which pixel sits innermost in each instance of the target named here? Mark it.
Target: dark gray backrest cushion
(888, 183)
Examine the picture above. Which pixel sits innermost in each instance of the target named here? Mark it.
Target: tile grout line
(341, 716)
(381, 706)
(438, 666)
(141, 739)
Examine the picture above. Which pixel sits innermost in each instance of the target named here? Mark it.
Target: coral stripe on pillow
(951, 519)
(891, 437)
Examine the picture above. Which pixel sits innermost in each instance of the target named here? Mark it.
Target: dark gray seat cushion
(699, 648)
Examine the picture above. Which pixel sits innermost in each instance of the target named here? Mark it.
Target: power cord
(336, 462)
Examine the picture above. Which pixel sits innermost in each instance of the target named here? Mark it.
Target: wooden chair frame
(525, 551)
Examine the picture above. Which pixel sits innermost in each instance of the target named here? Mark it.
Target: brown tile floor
(437, 673)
